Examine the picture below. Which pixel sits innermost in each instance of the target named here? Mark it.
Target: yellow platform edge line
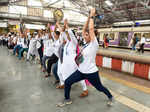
(127, 83)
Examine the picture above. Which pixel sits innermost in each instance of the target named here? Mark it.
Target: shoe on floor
(60, 87)
(84, 94)
(64, 103)
(44, 70)
(48, 75)
(110, 102)
(56, 82)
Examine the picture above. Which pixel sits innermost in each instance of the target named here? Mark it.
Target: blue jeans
(21, 52)
(44, 58)
(134, 47)
(40, 54)
(93, 78)
(17, 47)
(54, 70)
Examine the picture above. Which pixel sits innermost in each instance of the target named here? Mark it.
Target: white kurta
(45, 39)
(32, 46)
(49, 47)
(59, 68)
(69, 66)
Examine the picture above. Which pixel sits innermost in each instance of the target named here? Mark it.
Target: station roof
(113, 10)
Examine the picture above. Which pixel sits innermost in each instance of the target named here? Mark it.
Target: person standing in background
(134, 42)
(142, 43)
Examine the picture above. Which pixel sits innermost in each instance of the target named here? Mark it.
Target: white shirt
(24, 45)
(45, 39)
(32, 46)
(14, 40)
(142, 40)
(89, 54)
(6, 38)
(0, 37)
(48, 48)
(19, 41)
(57, 44)
(38, 44)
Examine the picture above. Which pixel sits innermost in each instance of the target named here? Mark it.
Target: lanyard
(67, 48)
(83, 47)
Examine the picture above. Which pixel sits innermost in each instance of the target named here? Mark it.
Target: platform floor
(23, 88)
(129, 51)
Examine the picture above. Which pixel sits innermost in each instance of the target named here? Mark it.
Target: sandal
(64, 103)
(60, 87)
(84, 94)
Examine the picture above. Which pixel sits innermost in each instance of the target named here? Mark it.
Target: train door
(139, 34)
(123, 38)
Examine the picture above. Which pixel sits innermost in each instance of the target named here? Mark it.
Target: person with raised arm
(87, 68)
(56, 44)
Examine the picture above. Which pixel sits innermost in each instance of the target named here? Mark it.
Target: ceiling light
(109, 3)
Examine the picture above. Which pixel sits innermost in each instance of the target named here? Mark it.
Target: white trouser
(59, 73)
(83, 84)
(28, 55)
(62, 80)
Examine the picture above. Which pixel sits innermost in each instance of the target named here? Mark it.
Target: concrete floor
(23, 88)
(129, 51)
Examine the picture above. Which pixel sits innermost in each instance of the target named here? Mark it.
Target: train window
(105, 35)
(139, 35)
(147, 37)
(112, 36)
(123, 40)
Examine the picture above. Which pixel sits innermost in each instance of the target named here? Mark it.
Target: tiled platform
(23, 88)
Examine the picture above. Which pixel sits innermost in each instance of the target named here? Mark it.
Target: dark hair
(57, 33)
(96, 33)
(135, 34)
(87, 30)
(106, 35)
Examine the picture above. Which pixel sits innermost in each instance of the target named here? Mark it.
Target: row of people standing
(72, 63)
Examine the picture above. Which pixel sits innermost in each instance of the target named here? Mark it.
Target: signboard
(11, 22)
(3, 25)
(58, 14)
(35, 27)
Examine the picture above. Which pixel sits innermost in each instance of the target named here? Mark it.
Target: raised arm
(49, 30)
(66, 27)
(59, 27)
(85, 27)
(91, 25)
(55, 27)
(71, 35)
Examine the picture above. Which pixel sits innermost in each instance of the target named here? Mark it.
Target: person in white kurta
(59, 68)
(48, 51)
(32, 48)
(69, 66)
(69, 59)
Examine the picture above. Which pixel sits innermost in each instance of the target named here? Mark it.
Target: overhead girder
(122, 10)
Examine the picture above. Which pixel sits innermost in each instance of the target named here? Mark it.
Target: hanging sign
(58, 15)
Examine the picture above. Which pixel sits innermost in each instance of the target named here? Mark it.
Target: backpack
(107, 40)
